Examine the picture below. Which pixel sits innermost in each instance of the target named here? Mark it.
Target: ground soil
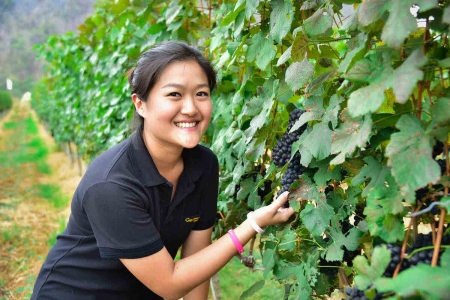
(26, 220)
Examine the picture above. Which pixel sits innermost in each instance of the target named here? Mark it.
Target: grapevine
(349, 113)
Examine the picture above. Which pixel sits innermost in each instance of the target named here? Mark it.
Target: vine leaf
(357, 52)
(425, 5)
(262, 51)
(172, 11)
(349, 240)
(367, 274)
(445, 259)
(318, 141)
(298, 74)
(376, 70)
(409, 153)
(432, 282)
(313, 111)
(299, 47)
(269, 259)
(371, 11)
(353, 132)
(324, 174)
(399, 24)
(304, 189)
(440, 122)
(316, 219)
(389, 196)
(252, 290)
(391, 230)
(280, 19)
(319, 22)
(373, 170)
(285, 56)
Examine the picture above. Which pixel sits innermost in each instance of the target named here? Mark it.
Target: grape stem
(423, 249)
(402, 254)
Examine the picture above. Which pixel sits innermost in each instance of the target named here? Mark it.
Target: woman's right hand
(273, 213)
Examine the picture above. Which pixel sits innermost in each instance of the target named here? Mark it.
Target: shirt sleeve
(210, 191)
(121, 224)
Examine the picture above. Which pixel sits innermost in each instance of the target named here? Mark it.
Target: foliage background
(375, 91)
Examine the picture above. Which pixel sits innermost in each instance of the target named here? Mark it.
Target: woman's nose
(189, 107)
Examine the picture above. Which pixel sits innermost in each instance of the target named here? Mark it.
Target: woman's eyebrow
(180, 86)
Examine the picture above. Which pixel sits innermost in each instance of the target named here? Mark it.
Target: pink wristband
(235, 240)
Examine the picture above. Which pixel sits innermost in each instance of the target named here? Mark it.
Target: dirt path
(37, 182)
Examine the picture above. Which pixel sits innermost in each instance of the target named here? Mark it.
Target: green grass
(31, 126)
(12, 234)
(51, 240)
(53, 194)
(235, 278)
(10, 125)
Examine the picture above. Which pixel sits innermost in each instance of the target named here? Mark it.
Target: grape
(281, 153)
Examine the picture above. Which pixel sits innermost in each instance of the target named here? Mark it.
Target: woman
(143, 199)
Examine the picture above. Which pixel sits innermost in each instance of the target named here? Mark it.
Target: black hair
(151, 64)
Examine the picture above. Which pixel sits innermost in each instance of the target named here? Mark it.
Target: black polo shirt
(122, 209)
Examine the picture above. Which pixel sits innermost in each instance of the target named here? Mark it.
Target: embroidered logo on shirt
(191, 220)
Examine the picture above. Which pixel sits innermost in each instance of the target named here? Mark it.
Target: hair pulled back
(152, 63)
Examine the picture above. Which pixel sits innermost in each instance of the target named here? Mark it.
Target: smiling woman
(143, 199)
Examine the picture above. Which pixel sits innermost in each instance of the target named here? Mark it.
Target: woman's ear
(138, 104)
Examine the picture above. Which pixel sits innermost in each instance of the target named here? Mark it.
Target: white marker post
(9, 84)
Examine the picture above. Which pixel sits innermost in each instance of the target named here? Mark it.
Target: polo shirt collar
(148, 172)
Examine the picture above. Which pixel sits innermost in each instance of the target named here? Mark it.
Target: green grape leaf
(399, 24)
(318, 141)
(371, 11)
(353, 132)
(285, 56)
(262, 51)
(252, 290)
(280, 19)
(287, 241)
(356, 53)
(298, 74)
(407, 75)
(172, 11)
(299, 47)
(425, 5)
(389, 196)
(319, 22)
(334, 253)
(324, 174)
(446, 15)
(270, 257)
(409, 153)
(349, 240)
(376, 223)
(250, 8)
(331, 114)
(432, 282)
(304, 189)
(440, 119)
(301, 289)
(314, 111)
(316, 219)
(367, 274)
(445, 259)
(373, 170)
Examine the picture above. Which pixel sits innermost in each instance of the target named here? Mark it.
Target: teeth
(185, 125)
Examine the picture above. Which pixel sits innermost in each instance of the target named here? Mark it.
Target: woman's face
(178, 108)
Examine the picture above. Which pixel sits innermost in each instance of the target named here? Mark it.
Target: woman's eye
(202, 94)
(174, 94)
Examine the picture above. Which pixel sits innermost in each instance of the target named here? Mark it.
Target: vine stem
(440, 232)
(403, 251)
(203, 13)
(210, 10)
(429, 94)
(419, 100)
